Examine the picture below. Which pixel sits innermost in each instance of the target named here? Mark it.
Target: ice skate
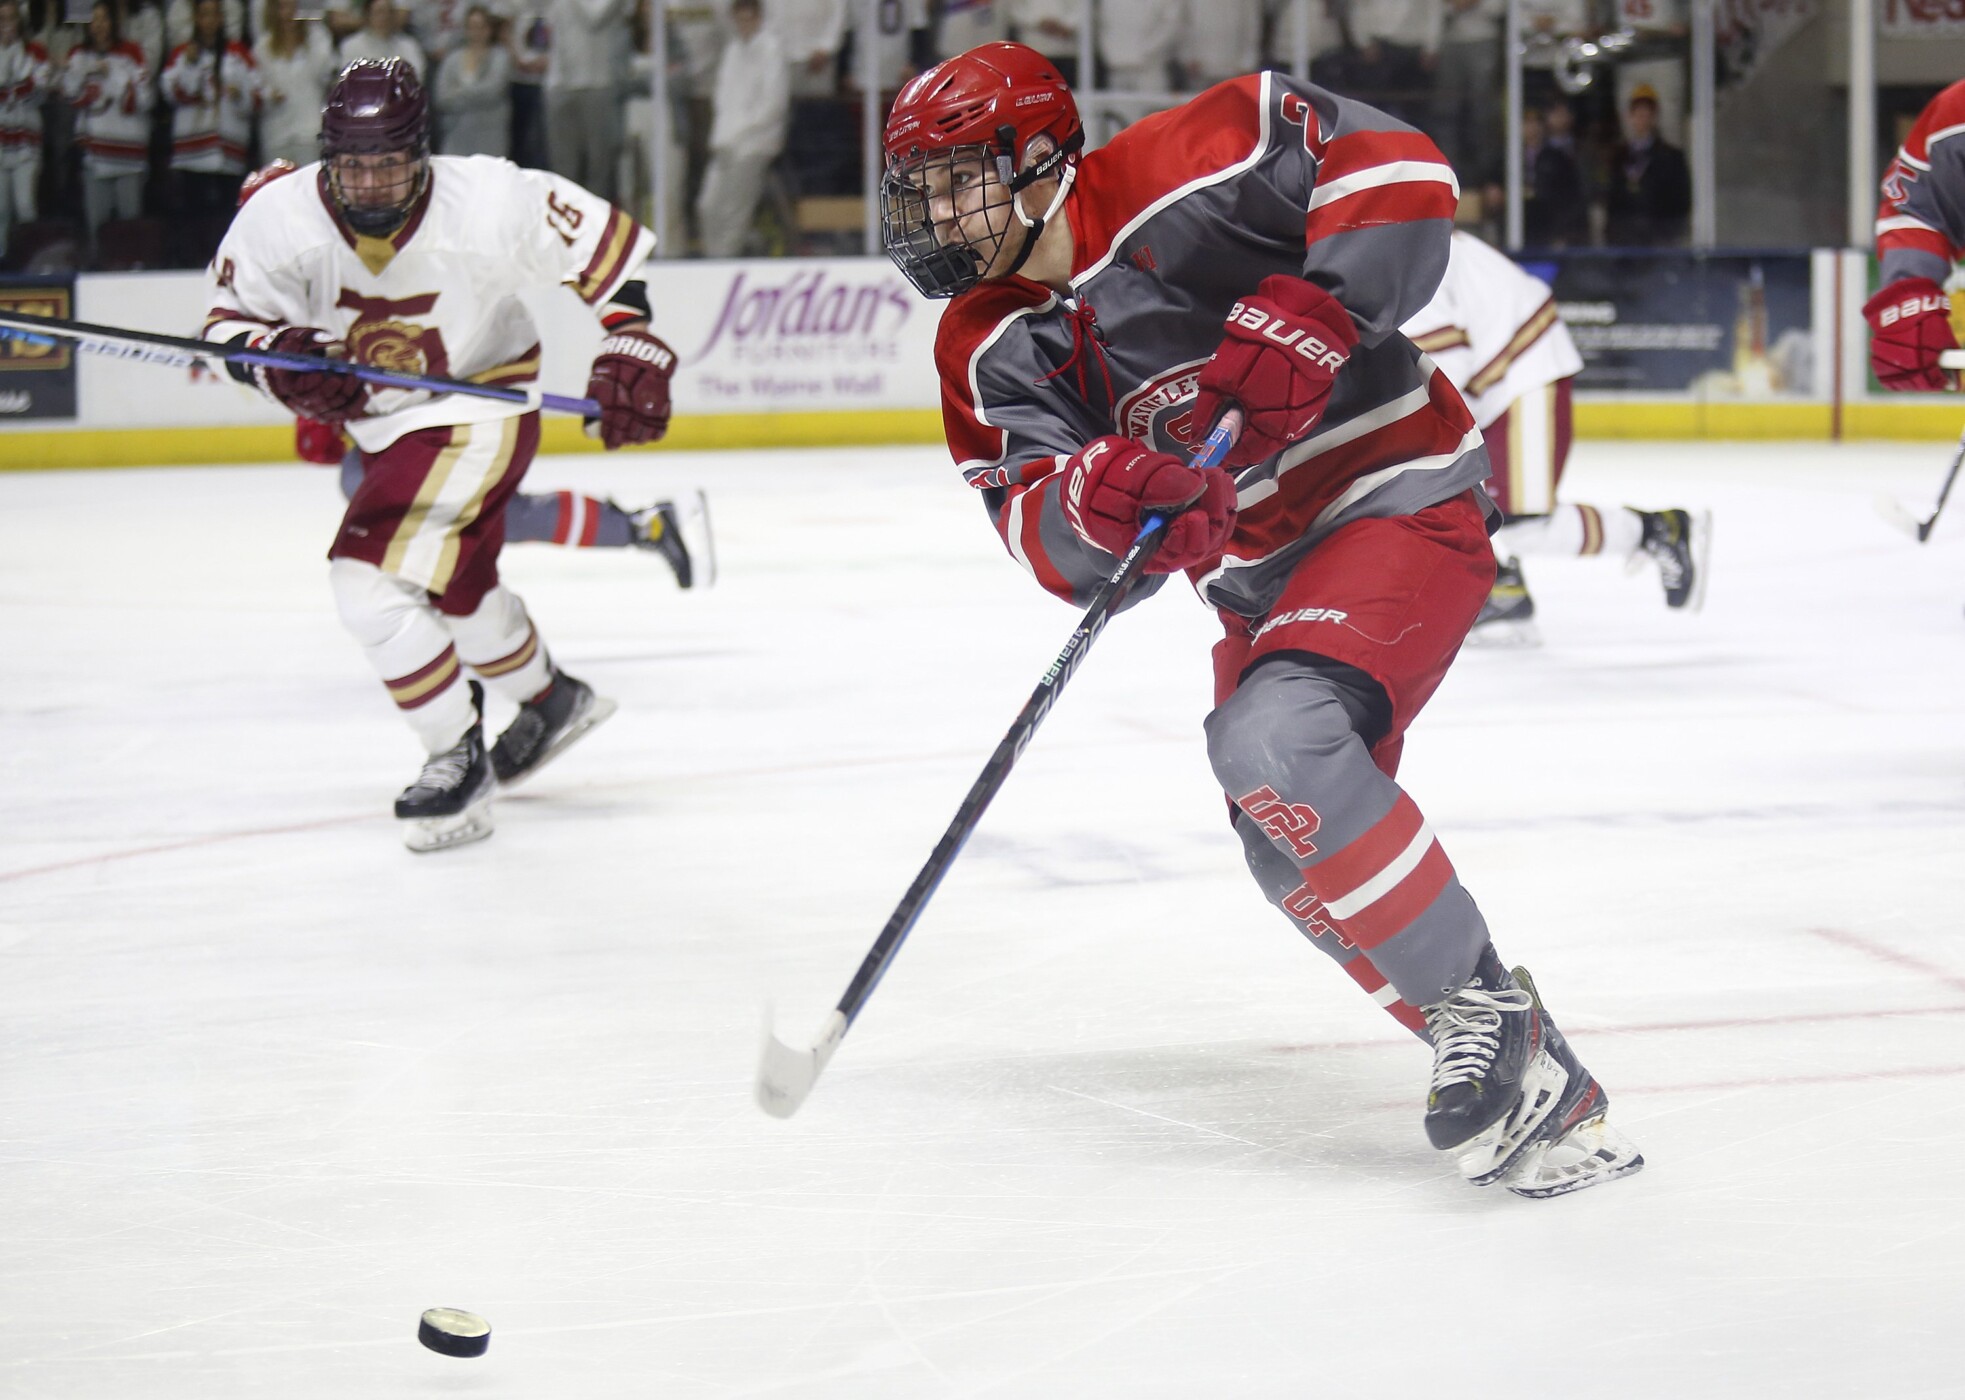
(545, 726)
(1507, 618)
(1679, 541)
(679, 531)
(449, 804)
(1509, 1100)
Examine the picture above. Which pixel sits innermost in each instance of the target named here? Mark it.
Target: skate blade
(1492, 1154)
(692, 522)
(595, 715)
(1506, 636)
(426, 835)
(1589, 1154)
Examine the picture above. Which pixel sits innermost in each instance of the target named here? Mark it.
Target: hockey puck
(454, 1332)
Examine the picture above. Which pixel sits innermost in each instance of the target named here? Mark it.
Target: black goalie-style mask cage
(969, 185)
(942, 260)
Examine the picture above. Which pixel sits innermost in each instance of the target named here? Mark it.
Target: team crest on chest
(381, 337)
(1165, 402)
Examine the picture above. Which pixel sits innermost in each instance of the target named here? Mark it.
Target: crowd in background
(126, 125)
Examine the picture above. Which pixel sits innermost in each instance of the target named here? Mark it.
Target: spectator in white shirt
(584, 72)
(1136, 41)
(752, 104)
(382, 36)
(812, 31)
(296, 63)
(1221, 39)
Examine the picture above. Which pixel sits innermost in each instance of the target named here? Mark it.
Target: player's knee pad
(1283, 716)
(493, 628)
(375, 607)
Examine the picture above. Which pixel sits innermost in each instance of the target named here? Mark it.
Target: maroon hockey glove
(1282, 351)
(321, 394)
(1112, 483)
(630, 382)
(1910, 326)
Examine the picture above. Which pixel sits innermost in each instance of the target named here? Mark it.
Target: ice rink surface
(270, 1085)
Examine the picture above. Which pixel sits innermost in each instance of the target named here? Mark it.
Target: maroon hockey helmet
(970, 121)
(375, 143)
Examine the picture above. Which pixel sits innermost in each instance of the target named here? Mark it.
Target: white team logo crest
(1149, 404)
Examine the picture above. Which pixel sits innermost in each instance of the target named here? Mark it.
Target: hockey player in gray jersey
(1256, 248)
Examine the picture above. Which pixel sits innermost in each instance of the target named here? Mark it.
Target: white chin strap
(1057, 200)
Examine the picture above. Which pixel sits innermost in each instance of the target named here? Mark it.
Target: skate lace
(1466, 1031)
(446, 770)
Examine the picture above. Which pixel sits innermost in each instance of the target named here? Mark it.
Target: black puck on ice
(454, 1332)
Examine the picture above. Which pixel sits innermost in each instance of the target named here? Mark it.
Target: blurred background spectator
(1136, 40)
(473, 96)
(529, 40)
(1650, 195)
(752, 105)
(297, 63)
(1220, 39)
(382, 36)
(1555, 212)
(1468, 88)
(1051, 28)
(24, 80)
(959, 25)
(1325, 41)
(584, 71)
(106, 82)
(213, 87)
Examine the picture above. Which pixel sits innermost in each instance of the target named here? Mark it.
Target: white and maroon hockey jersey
(110, 91)
(440, 296)
(23, 88)
(1492, 328)
(214, 99)
(1173, 220)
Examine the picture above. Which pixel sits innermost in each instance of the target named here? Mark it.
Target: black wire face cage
(380, 218)
(940, 264)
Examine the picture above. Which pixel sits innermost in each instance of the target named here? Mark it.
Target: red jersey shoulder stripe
(1163, 158)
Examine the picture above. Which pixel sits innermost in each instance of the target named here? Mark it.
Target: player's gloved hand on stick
(326, 395)
(1910, 326)
(1112, 484)
(630, 382)
(1280, 355)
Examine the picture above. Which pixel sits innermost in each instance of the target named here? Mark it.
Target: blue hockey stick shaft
(181, 351)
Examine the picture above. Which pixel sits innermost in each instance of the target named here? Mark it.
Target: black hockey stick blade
(785, 1076)
(1893, 513)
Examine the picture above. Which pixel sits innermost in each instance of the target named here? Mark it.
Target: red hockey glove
(630, 382)
(1910, 325)
(1112, 483)
(320, 443)
(1283, 349)
(312, 393)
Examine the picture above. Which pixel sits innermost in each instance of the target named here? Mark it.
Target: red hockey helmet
(375, 143)
(971, 118)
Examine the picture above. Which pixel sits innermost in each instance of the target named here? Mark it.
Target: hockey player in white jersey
(1493, 329)
(387, 255)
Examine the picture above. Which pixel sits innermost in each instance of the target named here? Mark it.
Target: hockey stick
(785, 1076)
(180, 351)
(1892, 510)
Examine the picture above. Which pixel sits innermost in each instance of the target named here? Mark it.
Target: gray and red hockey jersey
(1182, 214)
(1920, 224)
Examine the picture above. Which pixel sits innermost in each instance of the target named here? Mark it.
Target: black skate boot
(1507, 618)
(545, 725)
(1679, 542)
(449, 804)
(679, 531)
(1507, 1092)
